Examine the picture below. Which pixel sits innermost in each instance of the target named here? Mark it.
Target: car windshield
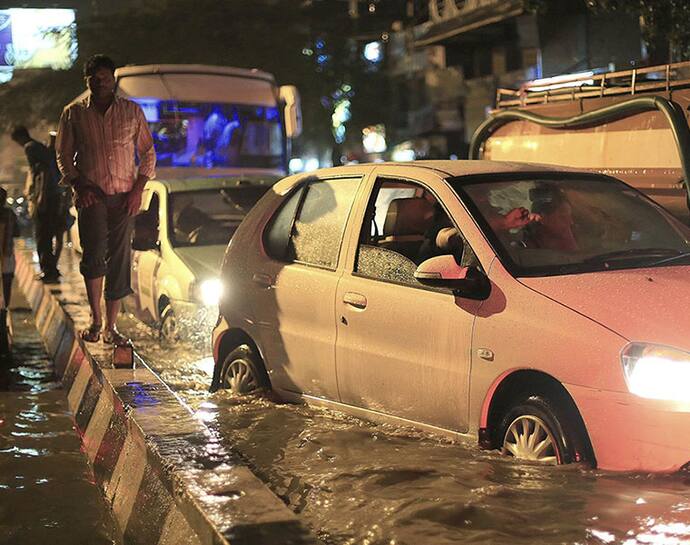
(571, 224)
(209, 216)
(202, 134)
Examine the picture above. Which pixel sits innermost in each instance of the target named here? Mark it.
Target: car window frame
(379, 179)
(148, 197)
(302, 186)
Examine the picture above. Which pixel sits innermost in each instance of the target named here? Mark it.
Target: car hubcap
(169, 328)
(528, 438)
(239, 377)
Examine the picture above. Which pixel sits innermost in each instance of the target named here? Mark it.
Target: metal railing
(662, 78)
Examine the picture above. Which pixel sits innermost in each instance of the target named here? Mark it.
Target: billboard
(36, 38)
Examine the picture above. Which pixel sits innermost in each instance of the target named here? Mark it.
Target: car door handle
(356, 300)
(263, 280)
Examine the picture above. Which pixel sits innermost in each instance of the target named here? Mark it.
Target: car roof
(200, 184)
(449, 168)
(478, 167)
(457, 168)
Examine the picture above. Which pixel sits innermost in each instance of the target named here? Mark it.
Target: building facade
(445, 69)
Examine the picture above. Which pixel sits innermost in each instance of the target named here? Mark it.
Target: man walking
(44, 202)
(98, 142)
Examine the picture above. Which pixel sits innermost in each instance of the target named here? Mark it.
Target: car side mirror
(443, 271)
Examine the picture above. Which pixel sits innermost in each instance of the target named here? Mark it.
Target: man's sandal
(92, 334)
(113, 336)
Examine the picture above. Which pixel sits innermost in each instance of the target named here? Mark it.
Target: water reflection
(47, 493)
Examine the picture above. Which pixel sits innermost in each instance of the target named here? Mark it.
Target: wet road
(47, 490)
(359, 483)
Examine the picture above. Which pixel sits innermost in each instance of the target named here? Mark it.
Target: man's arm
(65, 149)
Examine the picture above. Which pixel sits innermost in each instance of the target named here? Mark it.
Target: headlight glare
(657, 372)
(209, 291)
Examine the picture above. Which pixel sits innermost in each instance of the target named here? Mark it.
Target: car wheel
(242, 371)
(535, 430)
(169, 330)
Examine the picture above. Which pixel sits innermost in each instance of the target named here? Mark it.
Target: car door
(146, 263)
(294, 285)
(403, 349)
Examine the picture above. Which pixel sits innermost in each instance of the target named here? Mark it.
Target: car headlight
(657, 372)
(209, 291)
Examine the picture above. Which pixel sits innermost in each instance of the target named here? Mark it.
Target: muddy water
(47, 492)
(359, 483)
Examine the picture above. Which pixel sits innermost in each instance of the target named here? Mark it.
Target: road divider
(167, 478)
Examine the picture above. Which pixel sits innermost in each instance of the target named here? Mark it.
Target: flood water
(47, 490)
(358, 483)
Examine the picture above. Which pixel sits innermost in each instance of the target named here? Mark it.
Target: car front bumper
(630, 433)
(221, 327)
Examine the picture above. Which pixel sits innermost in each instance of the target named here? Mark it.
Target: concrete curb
(166, 477)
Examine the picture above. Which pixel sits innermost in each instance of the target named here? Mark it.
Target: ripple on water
(358, 483)
(43, 473)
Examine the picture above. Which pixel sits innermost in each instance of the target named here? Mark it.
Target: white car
(179, 240)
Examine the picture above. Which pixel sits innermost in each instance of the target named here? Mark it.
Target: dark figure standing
(7, 233)
(45, 207)
(98, 142)
(64, 218)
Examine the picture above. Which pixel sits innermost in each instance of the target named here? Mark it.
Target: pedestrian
(63, 217)
(43, 195)
(8, 231)
(98, 143)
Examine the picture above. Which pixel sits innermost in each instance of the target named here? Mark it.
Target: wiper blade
(670, 259)
(633, 253)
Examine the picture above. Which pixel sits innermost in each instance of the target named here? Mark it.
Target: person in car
(554, 230)
(188, 219)
(501, 224)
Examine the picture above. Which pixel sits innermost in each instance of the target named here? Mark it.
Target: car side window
(401, 229)
(308, 228)
(277, 234)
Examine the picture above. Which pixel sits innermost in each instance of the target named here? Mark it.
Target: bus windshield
(202, 134)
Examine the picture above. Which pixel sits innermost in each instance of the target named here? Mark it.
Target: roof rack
(629, 82)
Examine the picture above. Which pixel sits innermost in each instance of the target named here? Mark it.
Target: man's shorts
(105, 232)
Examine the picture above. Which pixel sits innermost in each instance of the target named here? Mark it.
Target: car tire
(537, 429)
(243, 372)
(168, 329)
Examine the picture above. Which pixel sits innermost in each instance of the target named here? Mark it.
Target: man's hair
(98, 61)
(20, 132)
(3, 196)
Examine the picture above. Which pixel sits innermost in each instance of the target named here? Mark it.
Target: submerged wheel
(242, 371)
(169, 330)
(537, 430)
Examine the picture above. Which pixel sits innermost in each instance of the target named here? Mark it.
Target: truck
(630, 124)
(222, 137)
